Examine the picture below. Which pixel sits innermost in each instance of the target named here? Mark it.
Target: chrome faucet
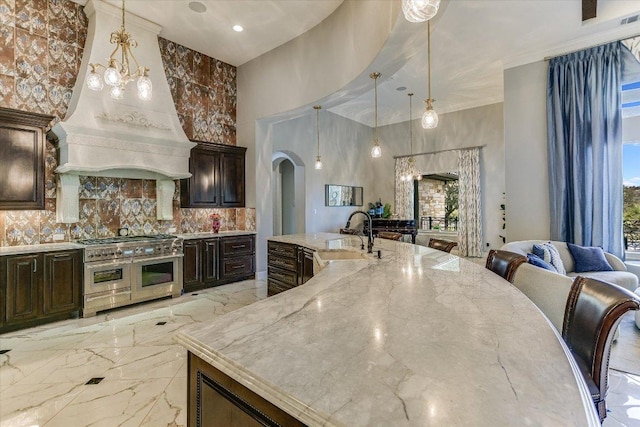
(370, 237)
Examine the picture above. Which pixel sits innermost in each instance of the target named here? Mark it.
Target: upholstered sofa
(549, 290)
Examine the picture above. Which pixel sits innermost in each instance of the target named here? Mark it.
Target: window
(436, 201)
(631, 168)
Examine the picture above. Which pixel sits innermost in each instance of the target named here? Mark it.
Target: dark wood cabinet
(217, 261)
(22, 146)
(216, 400)
(210, 260)
(62, 282)
(23, 284)
(40, 288)
(288, 266)
(217, 177)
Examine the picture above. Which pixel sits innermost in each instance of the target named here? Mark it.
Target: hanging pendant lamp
(419, 10)
(430, 117)
(376, 151)
(318, 164)
(411, 172)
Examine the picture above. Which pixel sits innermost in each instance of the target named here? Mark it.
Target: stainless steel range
(124, 270)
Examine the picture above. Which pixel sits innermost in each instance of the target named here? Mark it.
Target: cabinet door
(22, 159)
(23, 282)
(232, 179)
(210, 259)
(202, 189)
(192, 263)
(62, 282)
(307, 265)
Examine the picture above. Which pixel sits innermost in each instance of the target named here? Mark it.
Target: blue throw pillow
(539, 262)
(589, 258)
(549, 253)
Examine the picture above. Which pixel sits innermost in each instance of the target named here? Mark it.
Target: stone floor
(44, 375)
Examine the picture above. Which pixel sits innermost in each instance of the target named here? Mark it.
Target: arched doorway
(288, 194)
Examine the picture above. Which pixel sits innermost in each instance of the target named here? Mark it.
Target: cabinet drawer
(282, 249)
(284, 276)
(282, 262)
(236, 246)
(275, 287)
(239, 266)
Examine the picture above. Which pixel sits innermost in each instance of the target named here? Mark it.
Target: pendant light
(430, 117)
(411, 173)
(376, 151)
(318, 164)
(419, 10)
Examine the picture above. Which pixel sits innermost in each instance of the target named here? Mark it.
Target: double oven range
(124, 270)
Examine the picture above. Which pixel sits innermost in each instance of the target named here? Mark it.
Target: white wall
(526, 161)
(460, 129)
(345, 158)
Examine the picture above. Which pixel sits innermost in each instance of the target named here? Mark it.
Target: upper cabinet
(217, 177)
(22, 148)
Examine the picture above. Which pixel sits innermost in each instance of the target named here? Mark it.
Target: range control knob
(118, 252)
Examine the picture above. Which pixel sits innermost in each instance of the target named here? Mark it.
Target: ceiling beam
(589, 9)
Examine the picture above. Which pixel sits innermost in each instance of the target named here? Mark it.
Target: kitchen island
(418, 337)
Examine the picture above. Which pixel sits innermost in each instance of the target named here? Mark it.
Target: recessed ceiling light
(197, 7)
(238, 28)
(401, 88)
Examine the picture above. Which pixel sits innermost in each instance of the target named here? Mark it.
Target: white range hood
(126, 138)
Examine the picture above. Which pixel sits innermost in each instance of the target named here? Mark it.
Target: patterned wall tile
(7, 89)
(201, 69)
(184, 63)
(149, 189)
(2, 229)
(7, 12)
(30, 95)
(107, 217)
(250, 224)
(31, 55)
(48, 224)
(50, 165)
(86, 227)
(7, 51)
(22, 228)
(131, 189)
(241, 219)
(108, 188)
(87, 189)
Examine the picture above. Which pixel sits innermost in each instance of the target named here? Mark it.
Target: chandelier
(411, 172)
(376, 151)
(118, 73)
(430, 117)
(318, 164)
(420, 10)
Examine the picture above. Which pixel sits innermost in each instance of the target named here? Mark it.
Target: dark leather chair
(389, 235)
(594, 310)
(442, 245)
(504, 263)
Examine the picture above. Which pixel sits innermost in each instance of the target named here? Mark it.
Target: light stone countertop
(419, 337)
(191, 236)
(44, 247)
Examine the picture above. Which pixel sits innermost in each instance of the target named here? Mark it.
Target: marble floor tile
(121, 403)
(17, 364)
(623, 400)
(149, 362)
(170, 408)
(625, 351)
(34, 404)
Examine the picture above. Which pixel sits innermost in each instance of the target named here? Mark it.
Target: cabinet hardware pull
(35, 265)
(60, 255)
(235, 267)
(237, 246)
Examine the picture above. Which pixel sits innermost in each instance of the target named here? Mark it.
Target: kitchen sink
(338, 255)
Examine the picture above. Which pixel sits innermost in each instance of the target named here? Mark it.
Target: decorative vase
(215, 225)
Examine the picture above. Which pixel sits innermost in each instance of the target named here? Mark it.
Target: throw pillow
(550, 254)
(589, 258)
(539, 262)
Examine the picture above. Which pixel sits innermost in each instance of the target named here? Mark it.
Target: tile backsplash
(41, 46)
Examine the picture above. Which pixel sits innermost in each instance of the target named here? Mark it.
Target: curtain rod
(546, 58)
(439, 151)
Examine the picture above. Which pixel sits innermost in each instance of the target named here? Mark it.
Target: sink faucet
(370, 237)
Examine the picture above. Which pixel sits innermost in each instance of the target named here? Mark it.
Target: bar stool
(594, 310)
(389, 235)
(442, 245)
(504, 263)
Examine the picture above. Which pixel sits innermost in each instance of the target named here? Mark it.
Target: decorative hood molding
(127, 138)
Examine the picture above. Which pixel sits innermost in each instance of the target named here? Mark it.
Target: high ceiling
(473, 41)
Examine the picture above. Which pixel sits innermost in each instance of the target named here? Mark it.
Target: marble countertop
(44, 247)
(191, 236)
(418, 337)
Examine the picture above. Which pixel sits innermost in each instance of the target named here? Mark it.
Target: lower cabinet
(217, 261)
(288, 266)
(39, 288)
(216, 400)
